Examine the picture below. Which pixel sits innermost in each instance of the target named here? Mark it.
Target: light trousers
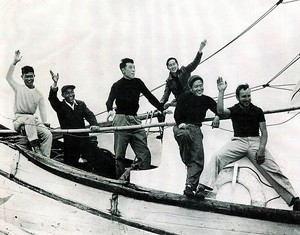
(238, 148)
(35, 130)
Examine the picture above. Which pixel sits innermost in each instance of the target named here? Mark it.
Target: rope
(290, 1)
(241, 34)
(285, 68)
(280, 123)
(151, 117)
(246, 30)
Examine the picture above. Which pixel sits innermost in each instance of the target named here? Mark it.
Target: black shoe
(200, 192)
(296, 206)
(200, 195)
(159, 137)
(188, 191)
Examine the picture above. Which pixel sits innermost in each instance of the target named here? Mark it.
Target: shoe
(188, 191)
(159, 137)
(37, 150)
(82, 160)
(200, 194)
(296, 206)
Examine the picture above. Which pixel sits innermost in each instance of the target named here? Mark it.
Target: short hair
(171, 58)
(194, 78)
(241, 87)
(125, 61)
(27, 69)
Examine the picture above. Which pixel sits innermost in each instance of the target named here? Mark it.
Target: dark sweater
(191, 109)
(69, 118)
(127, 93)
(245, 122)
(178, 85)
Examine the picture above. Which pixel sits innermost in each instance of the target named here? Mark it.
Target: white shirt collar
(71, 105)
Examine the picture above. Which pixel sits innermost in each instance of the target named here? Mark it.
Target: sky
(84, 41)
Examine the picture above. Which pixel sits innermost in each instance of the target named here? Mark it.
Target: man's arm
(89, 116)
(110, 102)
(260, 155)
(222, 85)
(179, 114)
(54, 101)
(192, 66)
(213, 107)
(150, 97)
(9, 75)
(42, 110)
(164, 99)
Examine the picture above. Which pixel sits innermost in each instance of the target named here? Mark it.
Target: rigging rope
(260, 87)
(241, 34)
(285, 68)
(290, 1)
(246, 30)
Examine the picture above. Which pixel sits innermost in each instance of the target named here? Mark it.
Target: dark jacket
(69, 118)
(178, 85)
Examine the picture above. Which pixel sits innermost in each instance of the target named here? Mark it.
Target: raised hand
(222, 85)
(110, 115)
(202, 45)
(17, 57)
(54, 77)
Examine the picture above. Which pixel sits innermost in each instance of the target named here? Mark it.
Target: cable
(272, 199)
(285, 68)
(246, 167)
(280, 123)
(241, 34)
(246, 30)
(290, 1)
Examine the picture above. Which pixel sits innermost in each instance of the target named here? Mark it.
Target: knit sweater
(127, 93)
(191, 109)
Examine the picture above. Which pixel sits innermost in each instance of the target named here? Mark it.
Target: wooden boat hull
(138, 207)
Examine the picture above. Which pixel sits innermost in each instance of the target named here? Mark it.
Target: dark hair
(124, 62)
(171, 58)
(241, 87)
(194, 78)
(27, 69)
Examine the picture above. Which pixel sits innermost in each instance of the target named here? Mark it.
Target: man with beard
(247, 120)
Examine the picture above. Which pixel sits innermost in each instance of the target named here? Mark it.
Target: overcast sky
(84, 42)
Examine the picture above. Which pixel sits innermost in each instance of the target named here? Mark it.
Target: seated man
(247, 119)
(27, 100)
(71, 114)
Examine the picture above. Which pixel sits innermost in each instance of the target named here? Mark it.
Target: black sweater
(191, 109)
(127, 93)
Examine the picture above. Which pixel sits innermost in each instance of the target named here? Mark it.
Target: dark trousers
(137, 140)
(77, 146)
(191, 151)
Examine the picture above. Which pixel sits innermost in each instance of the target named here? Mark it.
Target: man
(189, 113)
(178, 77)
(177, 81)
(247, 119)
(126, 93)
(27, 100)
(71, 114)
